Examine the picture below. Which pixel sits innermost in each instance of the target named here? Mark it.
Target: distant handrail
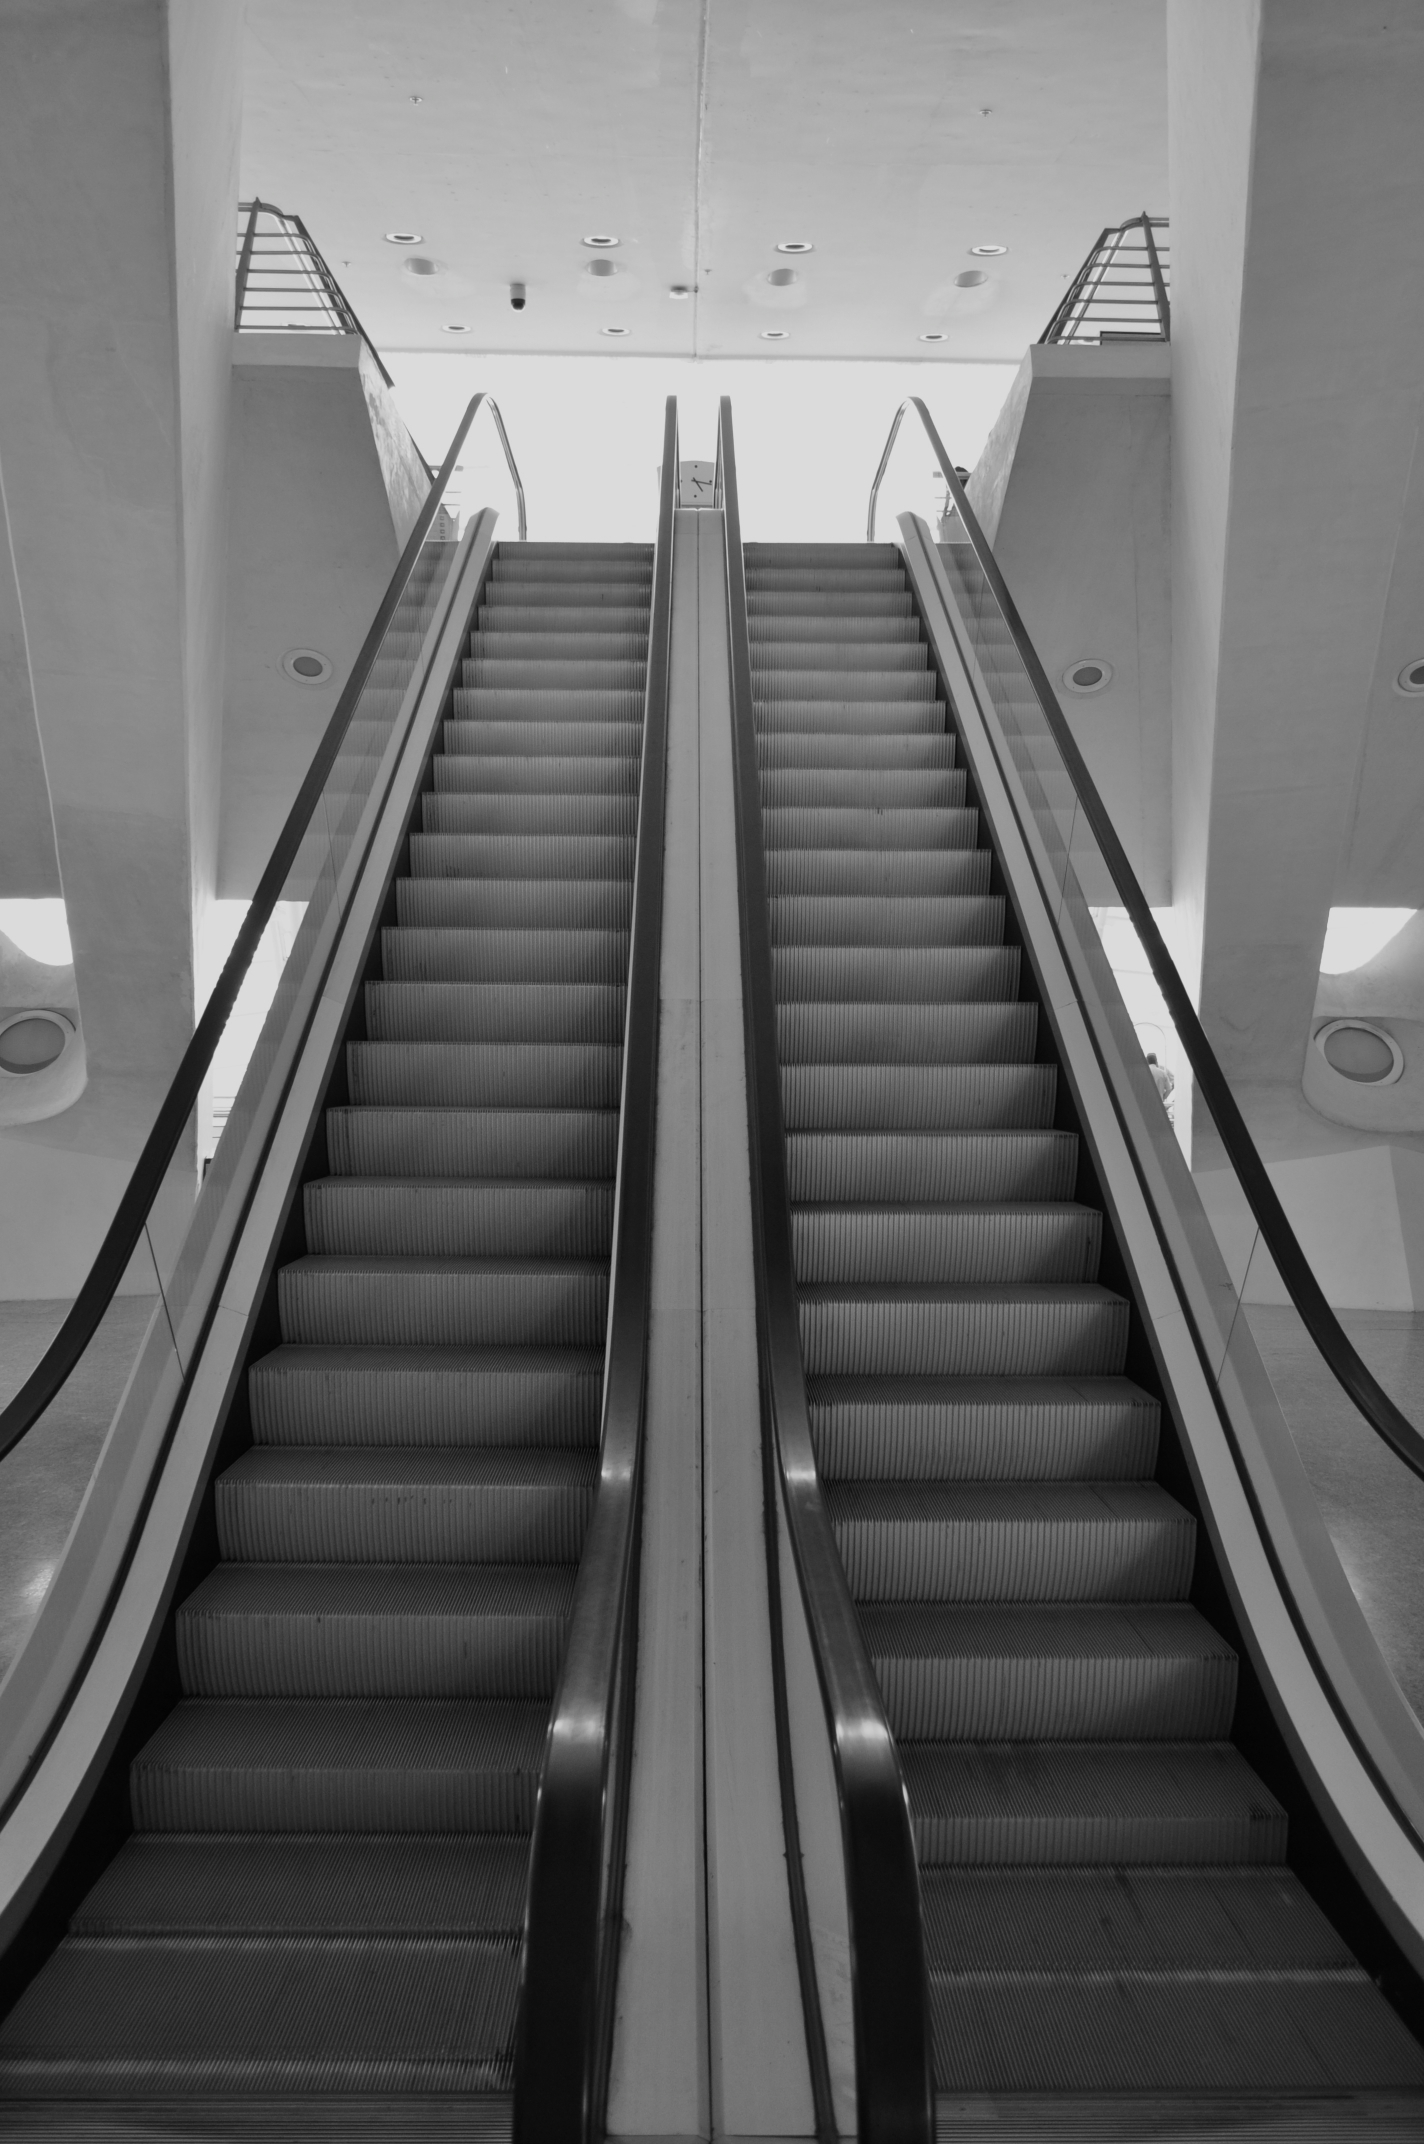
(122, 1236)
(1109, 295)
(889, 1988)
(1350, 1370)
(311, 275)
(573, 1919)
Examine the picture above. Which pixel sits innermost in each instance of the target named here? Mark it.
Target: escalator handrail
(1351, 1371)
(573, 1917)
(121, 1239)
(889, 1984)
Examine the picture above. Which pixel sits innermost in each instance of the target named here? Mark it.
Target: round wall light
(794, 245)
(614, 331)
(33, 1041)
(988, 253)
(602, 240)
(1411, 679)
(1356, 1049)
(405, 238)
(1089, 675)
(306, 667)
(776, 335)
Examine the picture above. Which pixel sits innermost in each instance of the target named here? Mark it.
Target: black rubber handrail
(889, 1986)
(1351, 1371)
(122, 1237)
(573, 1916)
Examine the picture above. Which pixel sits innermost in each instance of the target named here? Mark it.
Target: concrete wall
(324, 489)
(118, 140)
(1073, 490)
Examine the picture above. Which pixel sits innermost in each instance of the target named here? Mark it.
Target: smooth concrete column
(660, 2084)
(118, 164)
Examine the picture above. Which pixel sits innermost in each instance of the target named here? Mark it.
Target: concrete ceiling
(893, 134)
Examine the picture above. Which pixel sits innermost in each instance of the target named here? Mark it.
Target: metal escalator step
(806, 603)
(398, 1302)
(802, 682)
(894, 975)
(498, 1504)
(917, 1097)
(493, 1012)
(167, 2017)
(833, 751)
(1077, 1804)
(888, 920)
(822, 715)
(550, 675)
(825, 580)
(1012, 1541)
(943, 1243)
(528, 904)
(566, 774)
(426, 1397)
(426, 1765)
(534, 956)
(996, 1033)
(1023, 1164)
(569, 646)
(609, 591)
(502, 858)
(861, 555)
(162, 1883)
(599, 708)
(923, 788)
(1026, 1673)
(523, 1217)
(473, 1075)
(847, 624)
(829, 826)
(451, 809)
(407, 1631)
(536, 742)
(878, 872)
(472, 1142)
(505, 616)
(983, 1429)
(1008, 1331)
(1172, 2033)
(831, 653)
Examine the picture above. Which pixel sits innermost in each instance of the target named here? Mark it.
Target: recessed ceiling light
(794, 245)
(781, 278)
(306, 667)
(421, 264)
(601, 240)
(614, 331)
(405, 238)
(969, 280)
(680, 290)
(988, 253)
(601, 267)
(775, 334)
(934, 335)
(455, 327)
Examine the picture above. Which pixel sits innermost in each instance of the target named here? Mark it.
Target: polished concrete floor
(42, 1482)
(1373, 1506)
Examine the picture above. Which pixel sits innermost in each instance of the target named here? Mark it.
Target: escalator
(1119, 1922)
(322, 1907)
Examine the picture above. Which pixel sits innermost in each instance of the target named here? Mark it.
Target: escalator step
(904, 751)
(983, 1429)
(523, 1218)
(991, 1164)
(903, 920)
(466, 1075)
(452, 808)
(1049, 1241)
(892, 975)
(472, 1142)
(831, 826)
(849, 1034)
(890, 717)
(567, 774)
(397, 1302)
(461, 956)
(615, 736)
(494, 1012)
(916, 1097)
(1019, 1330)
(523, 904)
(427, 1397)
(877, 872)
(576, 859)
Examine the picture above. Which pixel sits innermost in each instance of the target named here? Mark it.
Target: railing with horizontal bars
(284, 286)
(1122, 291)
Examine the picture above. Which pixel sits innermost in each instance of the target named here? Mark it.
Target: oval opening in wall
(1092, 674)
(306, 666)
(32, 1042)
(1360, 1052)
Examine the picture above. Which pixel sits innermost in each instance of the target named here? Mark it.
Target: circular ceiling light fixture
(988, 253)
(455, 327)
(782, 278)
(970, 279)
(1089, 675)
(601, 241)
(421, 264)
(776, 334)
(680, 290)
(602, 267)
(934, 335)
(306, 666)
(32, 1042)
(1361, 1052)
(614, 331)
(794, 245)
(405, 238)
(1411, 679)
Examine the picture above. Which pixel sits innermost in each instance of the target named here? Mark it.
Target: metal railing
(889, 1988)
(146, 1185)
(284, 286)
(574, 1921)
(1122, 291)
